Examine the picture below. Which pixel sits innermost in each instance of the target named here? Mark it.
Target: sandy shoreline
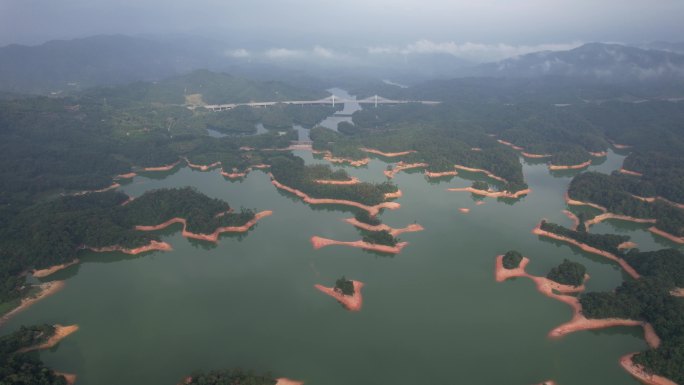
(61, 332)
(42, 273)
(319, 242)
(45, 290)
(386, 154)
(599, 154)
(353, 180)
(162, 168)
(667, 235)
(492, 193)
(433, 175)
(464, 210)
(479, 170)
(383, 227)
(401, 166)
(640, 373)
(152, 246)
(213, 237)
(629, 172)
(677, 292)
(621, 146)
(625, 266)
(554, 167)
(350, 302)
(372, 210)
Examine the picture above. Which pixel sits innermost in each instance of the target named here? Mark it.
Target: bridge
(330, 100)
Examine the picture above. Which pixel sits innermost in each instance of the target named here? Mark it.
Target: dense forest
(511, 260)
(568, 273)
(440, 148)
(26, 368)
(345, 286)
(54, 231)
(292, 172)
(382, 237)
(616, 192)
(230, 377)
(605, 242)
(647, 299)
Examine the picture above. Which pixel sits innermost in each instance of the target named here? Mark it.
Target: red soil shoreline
(42, 273)
(653, 199)
(61, 332)
(401, 166)
(162, 168)
(213, 237)
(606, 216)
(491, 193)
(640, 373)
(572, 217)
(327, 155)
(479, 170)
(126, 176)
(45, 290)
(319, 242)
(600, 154)
(509, 144)
(386, 154)
(350, 302)
(69, 377)
(667, 235)
(201, 167)
(113, 186)
(442, 174)
(383, 227)
(287, 381)
(353, 180)
(372, 210)
(629, 172)
(535, 156)
(394, 195)
(152, 246)
(554, 167)
(625, 266)
(578, 321)
(573, 202)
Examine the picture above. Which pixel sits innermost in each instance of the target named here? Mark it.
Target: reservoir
(432, 314)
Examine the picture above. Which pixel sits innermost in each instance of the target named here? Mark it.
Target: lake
(431, 315)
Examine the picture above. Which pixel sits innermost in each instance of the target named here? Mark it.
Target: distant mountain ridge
(599, 61)
(97, 60)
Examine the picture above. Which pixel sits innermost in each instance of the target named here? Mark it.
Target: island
(346, 292)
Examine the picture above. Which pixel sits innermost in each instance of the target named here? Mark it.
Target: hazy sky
(399, 25)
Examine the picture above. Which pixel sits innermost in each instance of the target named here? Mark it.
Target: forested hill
(211, 87)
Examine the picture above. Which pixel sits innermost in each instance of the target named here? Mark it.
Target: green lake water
(431, 315)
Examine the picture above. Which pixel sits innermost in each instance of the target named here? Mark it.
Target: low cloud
(238, 53)
(471, 51)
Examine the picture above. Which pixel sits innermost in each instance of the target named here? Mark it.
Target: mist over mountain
(69, 65)
(603, 62)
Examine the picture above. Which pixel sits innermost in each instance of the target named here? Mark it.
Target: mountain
(65, 65)
(594, 61)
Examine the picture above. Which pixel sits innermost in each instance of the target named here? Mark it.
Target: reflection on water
(341, 116)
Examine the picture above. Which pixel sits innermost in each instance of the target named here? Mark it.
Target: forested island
(624, 195)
